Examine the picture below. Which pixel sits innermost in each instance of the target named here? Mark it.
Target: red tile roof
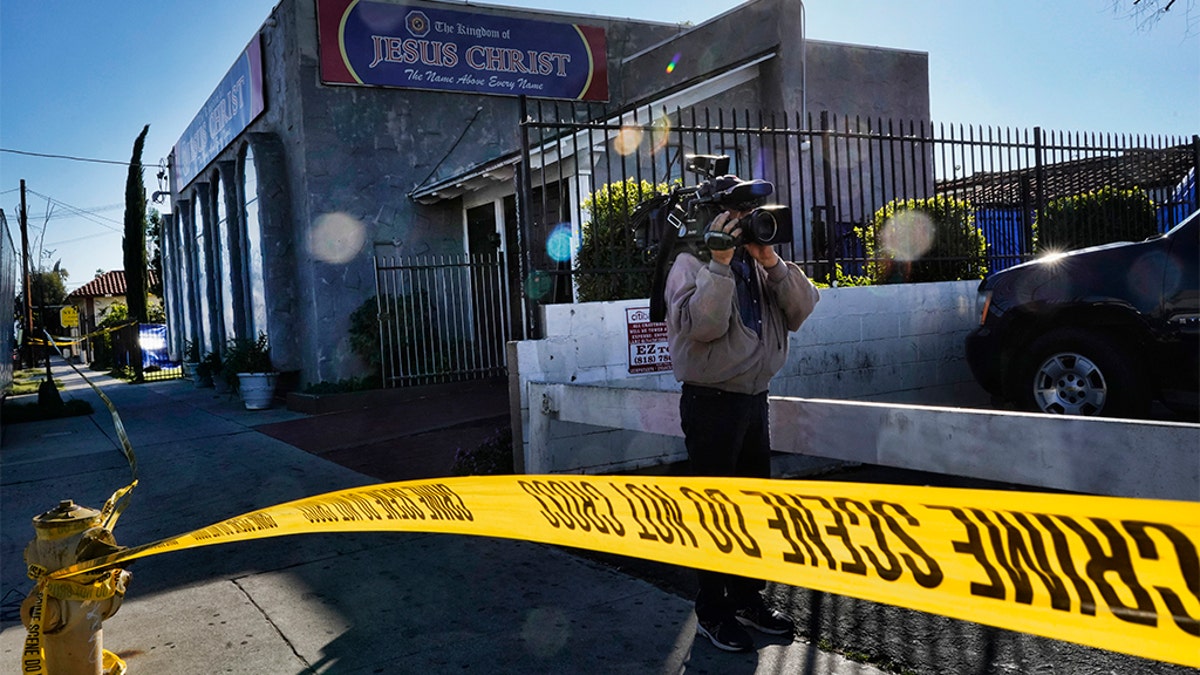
(109, 283)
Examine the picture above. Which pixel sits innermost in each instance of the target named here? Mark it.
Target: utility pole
(25, 291)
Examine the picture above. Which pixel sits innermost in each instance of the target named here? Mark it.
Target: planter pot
(219, 383)
(257, 389)
(198, 376)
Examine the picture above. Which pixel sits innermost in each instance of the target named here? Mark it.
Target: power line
(77, 239)
(82, 213)
(94, 210)
(70, 157)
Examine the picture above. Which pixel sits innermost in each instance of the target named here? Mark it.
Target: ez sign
(648, 349)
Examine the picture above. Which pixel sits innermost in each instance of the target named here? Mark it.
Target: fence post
(1195, 172)
(830, 208)
(1039, 177)
(522, 301)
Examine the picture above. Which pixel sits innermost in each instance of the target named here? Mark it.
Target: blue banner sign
(380, 44)
(236, 102)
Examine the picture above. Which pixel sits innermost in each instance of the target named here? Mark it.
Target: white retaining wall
(899, 344)
(1078, 454)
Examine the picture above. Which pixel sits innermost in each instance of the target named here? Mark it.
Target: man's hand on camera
(727, 222)
(763, 253)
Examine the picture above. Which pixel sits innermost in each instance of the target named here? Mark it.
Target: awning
(502, 169)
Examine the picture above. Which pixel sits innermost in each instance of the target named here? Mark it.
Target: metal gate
(441, 318)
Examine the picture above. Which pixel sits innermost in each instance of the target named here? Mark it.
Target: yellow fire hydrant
(64, 616)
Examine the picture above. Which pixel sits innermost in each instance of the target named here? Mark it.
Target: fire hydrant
(70, 618)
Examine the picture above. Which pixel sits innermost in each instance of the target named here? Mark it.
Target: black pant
(726, 434)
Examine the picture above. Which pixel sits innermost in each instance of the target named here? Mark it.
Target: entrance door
(487, 289)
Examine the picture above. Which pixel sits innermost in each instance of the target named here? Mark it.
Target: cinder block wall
(900, 344)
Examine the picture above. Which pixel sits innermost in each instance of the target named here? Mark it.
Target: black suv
(1099, 331)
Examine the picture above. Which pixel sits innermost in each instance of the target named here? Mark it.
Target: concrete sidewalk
(361, 603)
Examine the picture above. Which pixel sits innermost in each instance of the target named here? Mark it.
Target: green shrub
(114, 315)
(243, 355)
(1092, 218)
(364, 332)
(917, 240)
(612, 264)
(414, 337)
(126, 373)
(209, 367)
(494, 456)
(841, 279)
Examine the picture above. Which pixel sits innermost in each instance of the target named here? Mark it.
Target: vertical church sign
(235, 103)
(386, 45)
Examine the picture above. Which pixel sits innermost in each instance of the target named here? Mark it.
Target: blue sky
(81, 78)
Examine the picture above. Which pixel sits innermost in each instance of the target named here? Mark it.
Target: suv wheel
(1074, 372)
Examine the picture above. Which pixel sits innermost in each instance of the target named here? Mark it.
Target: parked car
(1099, 331)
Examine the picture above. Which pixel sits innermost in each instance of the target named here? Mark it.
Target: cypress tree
(133, 244)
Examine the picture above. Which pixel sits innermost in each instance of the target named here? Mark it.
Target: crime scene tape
(83, 588)
(64, 341)
(1116, 573)
(120, 499)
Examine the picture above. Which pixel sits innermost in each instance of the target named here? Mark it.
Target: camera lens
(770, 224)
(763, 226)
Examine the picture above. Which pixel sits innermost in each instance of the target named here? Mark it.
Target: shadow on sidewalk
(401, 434)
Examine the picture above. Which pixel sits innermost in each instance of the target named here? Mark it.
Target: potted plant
(248, 370)
(191, 359)
(208, 370)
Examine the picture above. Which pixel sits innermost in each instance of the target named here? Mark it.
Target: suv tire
(1074, 372)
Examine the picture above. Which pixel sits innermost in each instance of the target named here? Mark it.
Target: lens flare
(908, 235)
(336, 238)
(627, 140)
(538, 285)
(560, 244)
(674, 62)
(660, 135)
(1150, 270)
(546, 631)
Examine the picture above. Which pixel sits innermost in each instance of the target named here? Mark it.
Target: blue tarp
(152, 337)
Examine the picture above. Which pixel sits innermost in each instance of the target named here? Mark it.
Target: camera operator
(728, 321)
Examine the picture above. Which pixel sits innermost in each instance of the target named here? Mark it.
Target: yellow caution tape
(119, 500)
(55, 342)
(67, 341)
(111, 583)
(33, 659)
(1115, 573)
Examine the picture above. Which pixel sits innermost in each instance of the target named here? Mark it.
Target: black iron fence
(440, 318)
(845, 178)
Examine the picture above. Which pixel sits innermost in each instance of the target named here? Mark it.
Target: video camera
(684, 214)
(694, 208)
